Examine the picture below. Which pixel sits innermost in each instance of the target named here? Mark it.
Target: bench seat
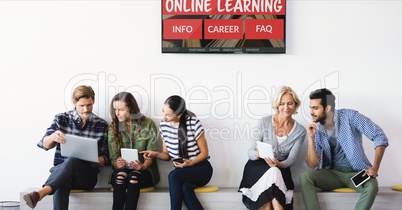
(224, 198)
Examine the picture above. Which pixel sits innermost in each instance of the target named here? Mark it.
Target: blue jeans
(183, 181)
(71, 174)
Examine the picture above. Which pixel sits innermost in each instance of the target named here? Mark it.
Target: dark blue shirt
(71, 123)
(339, 159)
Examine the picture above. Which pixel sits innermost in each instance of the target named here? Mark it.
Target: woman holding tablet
(267, 182)
(183, 139)
(130, 129)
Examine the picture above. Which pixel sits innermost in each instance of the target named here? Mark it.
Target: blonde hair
(282, 91)
(83, 91)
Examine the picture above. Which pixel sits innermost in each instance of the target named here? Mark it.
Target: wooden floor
(225, 198)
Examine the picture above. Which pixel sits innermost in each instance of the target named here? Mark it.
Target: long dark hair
(178, 105)
(135, 115)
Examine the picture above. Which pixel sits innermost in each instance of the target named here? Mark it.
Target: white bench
(225, 198)
(101, 199)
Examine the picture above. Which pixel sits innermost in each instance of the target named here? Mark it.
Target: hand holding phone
(178, 159)
(358, 179)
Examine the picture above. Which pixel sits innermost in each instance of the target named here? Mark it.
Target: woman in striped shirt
(183, 139)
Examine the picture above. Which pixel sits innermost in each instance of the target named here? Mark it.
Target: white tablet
(265, 150)
(129, 155)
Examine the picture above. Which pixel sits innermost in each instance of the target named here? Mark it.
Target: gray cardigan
(264, 131)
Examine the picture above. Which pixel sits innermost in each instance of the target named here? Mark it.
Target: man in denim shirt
(71, 173)
(335, 151)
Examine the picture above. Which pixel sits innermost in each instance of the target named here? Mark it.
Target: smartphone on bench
(358, 179)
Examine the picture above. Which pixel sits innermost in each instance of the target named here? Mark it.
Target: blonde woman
(267, 183)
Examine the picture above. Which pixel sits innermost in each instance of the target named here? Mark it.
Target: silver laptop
(83, 148)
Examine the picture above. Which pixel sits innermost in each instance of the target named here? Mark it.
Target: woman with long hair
(130, 129)
(183, 139)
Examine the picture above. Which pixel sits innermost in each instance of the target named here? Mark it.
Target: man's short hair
(326, 96)
(83, 91)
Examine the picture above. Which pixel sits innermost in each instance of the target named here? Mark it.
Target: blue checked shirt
(70, 123)
(351, 125)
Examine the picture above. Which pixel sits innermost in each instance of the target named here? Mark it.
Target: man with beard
(68, 172)
(335, 151)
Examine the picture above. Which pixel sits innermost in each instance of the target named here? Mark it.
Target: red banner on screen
(223, 26)
(218, 7)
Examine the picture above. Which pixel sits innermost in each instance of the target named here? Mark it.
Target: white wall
(47, 47)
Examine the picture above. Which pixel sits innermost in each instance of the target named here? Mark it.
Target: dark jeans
(126, 187)
(71, 174)
(183, 181)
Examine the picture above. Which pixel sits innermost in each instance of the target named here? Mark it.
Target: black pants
(126, 187)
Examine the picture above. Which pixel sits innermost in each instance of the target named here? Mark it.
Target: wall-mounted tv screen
(223, 26)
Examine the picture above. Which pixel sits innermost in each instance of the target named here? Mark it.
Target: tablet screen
(265, 150)
(129, 155)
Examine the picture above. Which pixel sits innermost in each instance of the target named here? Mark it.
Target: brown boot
(32, 199)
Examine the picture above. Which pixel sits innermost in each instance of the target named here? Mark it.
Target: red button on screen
(264, 29)
(223, 29)
(182, 29)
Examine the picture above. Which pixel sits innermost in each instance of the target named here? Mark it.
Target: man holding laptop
(335, 151)
(70, 172)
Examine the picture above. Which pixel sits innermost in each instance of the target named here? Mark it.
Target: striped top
(169, 135)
